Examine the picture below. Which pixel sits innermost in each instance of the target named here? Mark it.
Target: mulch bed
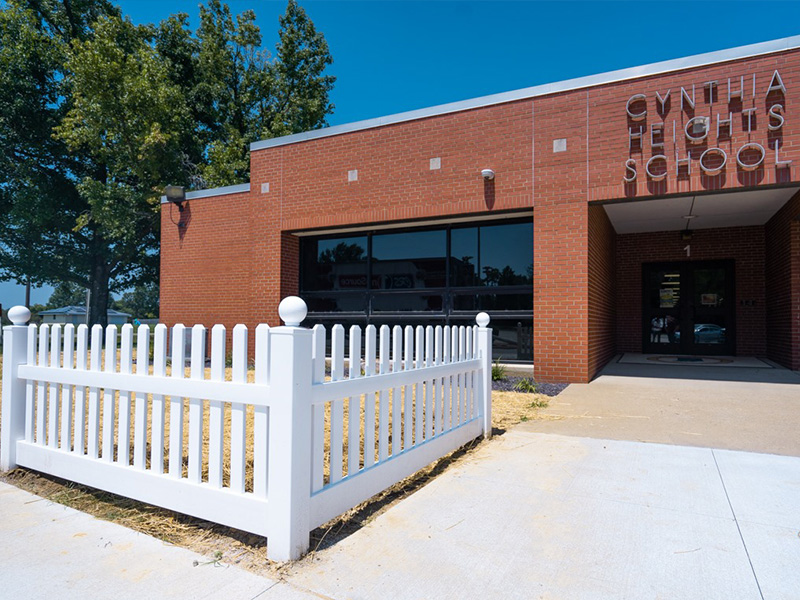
(546, 389)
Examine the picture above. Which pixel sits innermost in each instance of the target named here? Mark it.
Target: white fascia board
(667, 66)
(210, 193)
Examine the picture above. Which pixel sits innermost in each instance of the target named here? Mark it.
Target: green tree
(140, 302)
(39, 200)
(300, 90)
(35, 310)
(236, 93)
(97, 115)
(67, 294)
(126, 117)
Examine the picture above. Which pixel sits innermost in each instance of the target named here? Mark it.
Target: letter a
(776, 84)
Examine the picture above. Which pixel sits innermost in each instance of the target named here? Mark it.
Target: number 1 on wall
(688, 250)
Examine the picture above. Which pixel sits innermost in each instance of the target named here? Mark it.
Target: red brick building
(652, 209)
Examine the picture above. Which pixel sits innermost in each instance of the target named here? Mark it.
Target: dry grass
(238, 547)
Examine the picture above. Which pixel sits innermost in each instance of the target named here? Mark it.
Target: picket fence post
(15, 352)
(290, 432)
(485, 383)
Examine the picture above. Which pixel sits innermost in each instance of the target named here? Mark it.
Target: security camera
(487, 174)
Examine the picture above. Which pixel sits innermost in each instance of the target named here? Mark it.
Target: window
(413, 259)
(506, 253)
(426, 276)
(334, 263)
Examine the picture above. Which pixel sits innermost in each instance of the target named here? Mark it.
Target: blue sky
(396, 56)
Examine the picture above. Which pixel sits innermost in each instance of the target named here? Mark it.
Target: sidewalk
(529, 515)
(735, 408)
(546, 516)
(52, 551)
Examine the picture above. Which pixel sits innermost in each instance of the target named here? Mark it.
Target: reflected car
(706, 333)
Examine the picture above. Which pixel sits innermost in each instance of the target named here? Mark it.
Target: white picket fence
(276, 456)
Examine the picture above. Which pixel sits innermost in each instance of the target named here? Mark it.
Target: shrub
(540, 403)
(498, 371)
(526, 386)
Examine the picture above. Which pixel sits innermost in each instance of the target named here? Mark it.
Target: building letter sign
(698, 129)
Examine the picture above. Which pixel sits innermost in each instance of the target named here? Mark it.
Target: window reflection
(492, 255)
(335, 302)
(409, 260)
(506, 254)
(334, 263)
(413, 276)
(464, 257)
(407, 302)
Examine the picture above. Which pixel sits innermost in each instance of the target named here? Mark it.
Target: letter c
(631, 100)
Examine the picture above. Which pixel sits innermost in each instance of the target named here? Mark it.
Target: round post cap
(19, 315)
(292, 311)
(482, 319)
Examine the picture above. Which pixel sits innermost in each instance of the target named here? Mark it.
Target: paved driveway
(715, 407)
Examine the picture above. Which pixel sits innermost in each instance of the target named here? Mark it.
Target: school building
(647, 210)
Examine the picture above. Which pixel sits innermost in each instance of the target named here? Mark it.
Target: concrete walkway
(546, 516)
(528, 515)
(52, 551)
(736, 408)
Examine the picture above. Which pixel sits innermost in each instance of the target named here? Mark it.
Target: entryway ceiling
(731, 209)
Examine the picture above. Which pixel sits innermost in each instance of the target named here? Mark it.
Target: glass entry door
(688, 308)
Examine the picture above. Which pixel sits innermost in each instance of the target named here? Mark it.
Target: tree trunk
(98, 296)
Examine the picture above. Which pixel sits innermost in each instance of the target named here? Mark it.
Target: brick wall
(609, 123)
(783, 285)
(309, 184)
(207, 262)
(236, 257)
(560, 246)
(602, 285)
(745, 245)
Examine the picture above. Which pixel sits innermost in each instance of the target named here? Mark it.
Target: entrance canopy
(707, 211)
(723, 288)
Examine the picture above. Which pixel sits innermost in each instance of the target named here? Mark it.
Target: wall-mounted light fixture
(487, 174)
(686, 234)
(176, 194)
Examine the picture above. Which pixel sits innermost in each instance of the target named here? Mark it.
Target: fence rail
(277, 450)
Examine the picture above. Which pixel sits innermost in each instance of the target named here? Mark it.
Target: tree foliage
(67, 294)
(39, 200)
(301, 88)
(98, 114)
(141, 302)
(126, 119)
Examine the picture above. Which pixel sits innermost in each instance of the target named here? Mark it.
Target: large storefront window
(426, 276)
(335, 263)
(414, 259)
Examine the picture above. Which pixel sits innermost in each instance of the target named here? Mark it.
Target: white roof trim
(220, 191)
(666, 66)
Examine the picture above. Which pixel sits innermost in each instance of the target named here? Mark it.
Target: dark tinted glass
(506, 254)
(465, 302)
(337, 302)
(464, 257)
(517, 302)
(407, 302)
(334, 263)
(664, 289)
(512, 339)
(409, 260)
